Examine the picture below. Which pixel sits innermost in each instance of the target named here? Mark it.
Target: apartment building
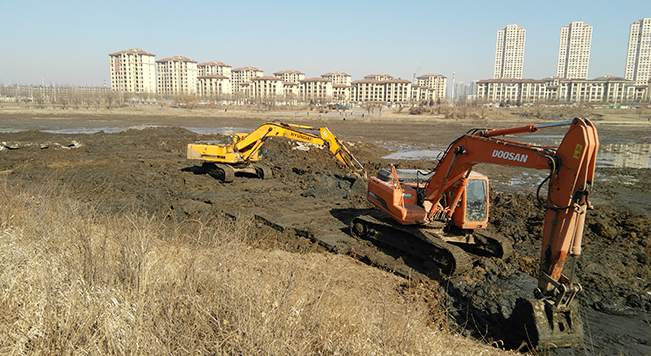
(436, 82)
(244, 75)
(638, 58)
(214, 86)
(606, 89)
(338, 78)
(341, 92)
(214, 68)
(176, 76)
(341, 89)
(318, 90)
(397, 91)
(367, 90)
(290, 75)
(291, 92)
(574, 51)
(266, 88)
(421, 94)
(509, 52)
(133, 71)
(387, 90)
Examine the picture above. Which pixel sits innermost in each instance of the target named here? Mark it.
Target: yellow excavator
(222, 161)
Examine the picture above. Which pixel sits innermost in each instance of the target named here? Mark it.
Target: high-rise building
(133, 71)
(509, 52)
(177, 76)
(574, 51)
(638, 59)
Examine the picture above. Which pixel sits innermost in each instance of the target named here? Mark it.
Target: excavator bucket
(542, 326)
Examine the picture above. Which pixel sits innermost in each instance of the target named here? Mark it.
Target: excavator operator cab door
(472, 209)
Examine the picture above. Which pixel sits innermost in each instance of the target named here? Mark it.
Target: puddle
(624, 155)
(415, 155)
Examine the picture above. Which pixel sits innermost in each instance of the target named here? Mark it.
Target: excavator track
(222, 172)
(481, 243)
(417, 242)
(263, 171)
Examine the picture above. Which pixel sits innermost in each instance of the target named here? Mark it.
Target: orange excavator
(222, 161)
(446, 209)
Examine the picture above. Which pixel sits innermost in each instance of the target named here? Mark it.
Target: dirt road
(309, 203)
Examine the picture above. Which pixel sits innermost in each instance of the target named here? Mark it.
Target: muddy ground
(311, 199)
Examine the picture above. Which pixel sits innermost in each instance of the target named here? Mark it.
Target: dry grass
(76, 282)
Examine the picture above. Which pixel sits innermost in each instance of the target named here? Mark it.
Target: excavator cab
(465, 203)
(472, 208)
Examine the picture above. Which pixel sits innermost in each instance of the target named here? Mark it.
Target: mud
(310, 201)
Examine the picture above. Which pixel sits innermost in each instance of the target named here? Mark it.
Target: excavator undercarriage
(226, 172)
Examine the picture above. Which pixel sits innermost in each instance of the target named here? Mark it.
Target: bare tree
(75, 98)
(110, 98)
(38, 97)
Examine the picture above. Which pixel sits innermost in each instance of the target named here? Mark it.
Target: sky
(68, 42)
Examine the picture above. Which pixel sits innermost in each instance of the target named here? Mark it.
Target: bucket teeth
(542, 326)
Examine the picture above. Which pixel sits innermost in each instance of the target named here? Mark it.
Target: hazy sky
(68, 42)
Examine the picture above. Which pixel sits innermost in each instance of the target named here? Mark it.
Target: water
(114, 129)
(613, 155)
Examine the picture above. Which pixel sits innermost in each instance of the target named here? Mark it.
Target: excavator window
(476, 200)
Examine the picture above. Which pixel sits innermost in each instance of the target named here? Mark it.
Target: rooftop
(213, 63)
(425, 76)
(132, 51)
(176, 59)
(241, 69)
(330, 74)
(289, 71)
(315, 80)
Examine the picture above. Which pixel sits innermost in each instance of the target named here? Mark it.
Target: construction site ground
(133, 159)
